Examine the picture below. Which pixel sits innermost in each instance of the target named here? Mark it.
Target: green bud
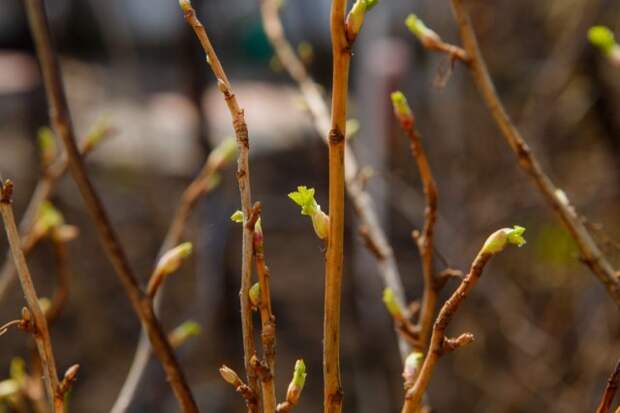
(355, 19)
(304, 197)
(186, 5)
(97, 133)
(497, 241)
(296, 385)
(237, 217)
(370, 4)
(223, 154)
(184, 332)
(48, 218)
(391, 304)
(172, 260)
(254, 294)
(47, 145)
(401, 107)
(419, 29)
(603, 38)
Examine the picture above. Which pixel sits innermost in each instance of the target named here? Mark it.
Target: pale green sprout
(48, 218)
(186, 5)
(420, 30)
(304, 197)
(401, 106)
(172, 260)
(184, 332)
(389, 299)
(254, 294)
(224, 153)
(299, 374)
(18, 370)
(296, 385)
(603, 38)
(47, 145)
(412, 364)
(355, 18)
(497, 241)
(237, 217)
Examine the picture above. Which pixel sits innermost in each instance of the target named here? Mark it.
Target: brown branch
(440, 344)
(610, 390)
(44, 188)
(40, 331)
(311, 93)
(424, 241)
(200, 186)
(61, 122)
(243, 178)
(557, 200)
(268, 320)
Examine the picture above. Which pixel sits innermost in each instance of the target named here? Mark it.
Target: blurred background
(546, 330)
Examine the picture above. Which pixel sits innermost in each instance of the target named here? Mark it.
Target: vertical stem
(41, 332)
(61, 121)
(243, 180)
(332, 401)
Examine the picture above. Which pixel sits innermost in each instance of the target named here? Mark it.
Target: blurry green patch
(554, 246)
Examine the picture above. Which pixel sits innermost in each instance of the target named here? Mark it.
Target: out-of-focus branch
(440, 344)
(61, 122)
(556, 198)
(610, 391)
(424, 240)
(243, 179)
(202, 185)
(40, 329)
(318, 108)
(45, 186)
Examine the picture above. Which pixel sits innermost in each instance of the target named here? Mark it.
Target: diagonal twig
(61, 122)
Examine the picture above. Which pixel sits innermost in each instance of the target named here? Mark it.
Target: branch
(40, 328)
(424, 241)
(45, 186)
(556, 198)
(610, 390)
(440, 344)
(243, 179)
(203, 184)
(268, 320)
(362, 203)
(61, 121)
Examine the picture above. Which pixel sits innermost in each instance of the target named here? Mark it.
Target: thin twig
(318, 108)
(243, 178)
(41, 332)
(268, 320)
(610, 390)
(61, 122)
(45, 186)
(199, 187)
(557, 199)
(424, 241)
